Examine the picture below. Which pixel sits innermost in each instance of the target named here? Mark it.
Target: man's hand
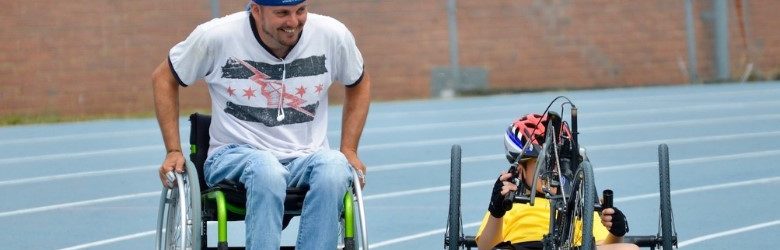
(615, 221)
(174, 161)
(500, 189)
(358, 165)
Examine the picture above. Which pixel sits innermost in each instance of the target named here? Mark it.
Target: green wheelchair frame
(183, 216)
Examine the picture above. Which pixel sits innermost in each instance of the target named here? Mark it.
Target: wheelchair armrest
(642, 240)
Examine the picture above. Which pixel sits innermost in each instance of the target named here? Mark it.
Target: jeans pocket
(208, 166)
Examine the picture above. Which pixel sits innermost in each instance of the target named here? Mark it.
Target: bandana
(278, 2)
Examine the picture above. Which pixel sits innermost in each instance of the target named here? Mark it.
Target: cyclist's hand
(615, 221)
(502, 187)
(174, 161)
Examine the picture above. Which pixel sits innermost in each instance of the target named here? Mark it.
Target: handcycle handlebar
(608, 197)
(643, 240)
(514, 197)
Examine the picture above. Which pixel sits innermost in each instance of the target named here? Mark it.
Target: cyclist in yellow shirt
(524, 226)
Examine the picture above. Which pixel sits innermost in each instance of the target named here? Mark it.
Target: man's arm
(166, 106)
(353, 119)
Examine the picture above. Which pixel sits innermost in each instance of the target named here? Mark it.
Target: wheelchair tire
(665, 197)
(169, 232)
(582, 210)
(453, 234)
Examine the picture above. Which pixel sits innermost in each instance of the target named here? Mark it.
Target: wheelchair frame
(182, 222)
(564, 211)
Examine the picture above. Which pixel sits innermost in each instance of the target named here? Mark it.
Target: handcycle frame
(576, 199)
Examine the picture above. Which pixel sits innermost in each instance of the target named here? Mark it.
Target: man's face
(282, 24)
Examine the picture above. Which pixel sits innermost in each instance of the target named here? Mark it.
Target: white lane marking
(112, 240)
(426, 126)
(470, 159)
(727, 233)
(398, 166)
(37, 140)
(78, 204)
(393, 114)
(589, 103)
(688, 161)
(76, 175)
(444, 188)
(429, 142)
(426, 190)
(472, 224)
(388, 167)
(8, 161)
(417, 236)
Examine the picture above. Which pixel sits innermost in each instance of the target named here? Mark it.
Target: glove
(619, 223)
(496, 207)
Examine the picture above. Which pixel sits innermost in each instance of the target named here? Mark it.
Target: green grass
(13, 120)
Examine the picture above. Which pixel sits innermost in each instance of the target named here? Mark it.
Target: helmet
(530, 127)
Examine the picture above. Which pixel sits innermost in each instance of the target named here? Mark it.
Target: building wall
(96, 57)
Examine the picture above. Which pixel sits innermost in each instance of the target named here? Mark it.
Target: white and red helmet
(527, 128)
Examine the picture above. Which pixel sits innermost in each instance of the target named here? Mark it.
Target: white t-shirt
(273, 104)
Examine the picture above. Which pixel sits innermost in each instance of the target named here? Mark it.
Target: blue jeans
(326, 172)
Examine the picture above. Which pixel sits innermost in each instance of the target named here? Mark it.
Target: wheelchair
(185, 209)
(562, 167)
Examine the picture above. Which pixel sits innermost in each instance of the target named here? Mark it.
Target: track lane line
(727, 233)
(414, 191)
(473, 224)
(393, 114)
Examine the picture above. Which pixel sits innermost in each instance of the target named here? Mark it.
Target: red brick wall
(96, 57)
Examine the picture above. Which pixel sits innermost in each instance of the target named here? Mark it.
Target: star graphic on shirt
(300, 91)
(231, 91)
(319, 88)
(249, 93)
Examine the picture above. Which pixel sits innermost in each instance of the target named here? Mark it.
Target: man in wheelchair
(268, 81)
(524, 226)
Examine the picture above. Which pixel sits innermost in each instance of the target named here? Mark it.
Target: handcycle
(568, 184)
(185, 209)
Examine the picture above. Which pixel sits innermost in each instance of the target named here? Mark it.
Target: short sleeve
(349, 60)
(600, 232)
(190, 59)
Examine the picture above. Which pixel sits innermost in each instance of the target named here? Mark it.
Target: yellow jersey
(525, 223)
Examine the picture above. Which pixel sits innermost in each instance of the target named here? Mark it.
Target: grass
(14, 120)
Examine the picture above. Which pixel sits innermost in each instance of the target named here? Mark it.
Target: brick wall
(96, 57)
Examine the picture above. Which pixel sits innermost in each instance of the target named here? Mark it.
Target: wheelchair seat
(234, 193)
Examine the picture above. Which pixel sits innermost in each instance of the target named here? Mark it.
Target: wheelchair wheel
(453, 234)
(357, 198)
(179, 217)
(666, 220)
(582, 200)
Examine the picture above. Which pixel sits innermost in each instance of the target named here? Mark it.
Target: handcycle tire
(665, 197)
(169, 209)
(453, 218)
(585, 187)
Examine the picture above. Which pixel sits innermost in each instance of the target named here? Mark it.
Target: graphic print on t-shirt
(283, 104)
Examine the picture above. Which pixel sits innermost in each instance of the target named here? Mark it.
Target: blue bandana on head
(277, 2)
